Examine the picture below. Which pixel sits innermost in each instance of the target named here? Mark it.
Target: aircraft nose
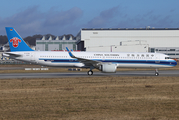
(174, 62)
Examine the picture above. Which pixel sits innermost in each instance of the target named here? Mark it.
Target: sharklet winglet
(69, 52)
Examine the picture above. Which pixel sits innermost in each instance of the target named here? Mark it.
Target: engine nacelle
(108, 68)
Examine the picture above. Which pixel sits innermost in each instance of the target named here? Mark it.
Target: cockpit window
(167, 58)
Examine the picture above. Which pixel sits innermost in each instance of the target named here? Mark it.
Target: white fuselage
(62, 59)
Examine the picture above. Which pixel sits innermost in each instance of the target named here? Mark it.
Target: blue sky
(58, 17)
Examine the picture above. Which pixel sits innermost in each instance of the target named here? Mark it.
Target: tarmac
(84, 74)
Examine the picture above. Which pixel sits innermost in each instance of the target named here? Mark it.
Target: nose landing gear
(156, 72)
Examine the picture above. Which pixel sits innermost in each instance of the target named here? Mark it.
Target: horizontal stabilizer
(8, 54)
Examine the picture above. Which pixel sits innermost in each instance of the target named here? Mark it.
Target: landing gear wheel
(156, 74)
(90, 72)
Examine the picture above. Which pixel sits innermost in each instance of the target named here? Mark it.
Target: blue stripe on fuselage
(161, 62)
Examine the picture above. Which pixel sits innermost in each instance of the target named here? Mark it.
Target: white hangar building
(55, 43)
(163, 40)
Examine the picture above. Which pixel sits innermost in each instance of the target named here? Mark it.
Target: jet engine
(108, 68)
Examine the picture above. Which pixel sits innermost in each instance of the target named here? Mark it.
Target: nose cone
(174, 63)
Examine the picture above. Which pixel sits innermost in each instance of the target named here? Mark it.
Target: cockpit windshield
(167, 58)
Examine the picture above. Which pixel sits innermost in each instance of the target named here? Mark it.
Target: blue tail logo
(16, 43)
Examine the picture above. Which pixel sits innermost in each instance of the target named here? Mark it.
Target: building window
(172, 49)
(171, 53)
(152, 49)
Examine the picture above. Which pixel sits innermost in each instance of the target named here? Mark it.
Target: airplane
(106, 62)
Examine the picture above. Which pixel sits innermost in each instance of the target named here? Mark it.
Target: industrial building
(163, 40)
(55, 43)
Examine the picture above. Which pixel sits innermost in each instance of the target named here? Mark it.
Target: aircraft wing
(87, 62)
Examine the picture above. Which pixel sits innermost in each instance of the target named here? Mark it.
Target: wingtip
(69, 52)
(67, 49)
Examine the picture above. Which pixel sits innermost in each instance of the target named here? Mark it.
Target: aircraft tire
(156, 74)
(90, 72)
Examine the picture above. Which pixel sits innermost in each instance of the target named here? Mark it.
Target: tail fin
(16, 43)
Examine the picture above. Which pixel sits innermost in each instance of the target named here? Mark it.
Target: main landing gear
(156, 72)
(90, 72)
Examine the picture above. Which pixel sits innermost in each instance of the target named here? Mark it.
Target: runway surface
(84, 74)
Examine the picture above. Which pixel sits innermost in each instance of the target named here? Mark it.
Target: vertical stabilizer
(16, 43)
